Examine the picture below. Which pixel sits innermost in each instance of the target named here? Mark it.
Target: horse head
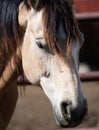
(50, 53)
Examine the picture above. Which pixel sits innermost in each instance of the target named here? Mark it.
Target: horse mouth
(70, 118)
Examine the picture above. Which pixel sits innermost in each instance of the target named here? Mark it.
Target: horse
(41, 39)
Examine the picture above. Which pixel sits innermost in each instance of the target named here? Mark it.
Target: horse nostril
(66, 109)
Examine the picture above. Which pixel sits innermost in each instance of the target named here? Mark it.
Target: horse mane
(9, 29)
(54, 10)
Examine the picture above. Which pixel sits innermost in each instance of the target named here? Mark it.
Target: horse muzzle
(70, 116)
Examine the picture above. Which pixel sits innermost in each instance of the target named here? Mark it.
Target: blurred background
(87, 12)
(33, 110)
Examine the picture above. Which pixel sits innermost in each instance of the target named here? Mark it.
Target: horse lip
(66, 119)
(72, 122)
(60, 121)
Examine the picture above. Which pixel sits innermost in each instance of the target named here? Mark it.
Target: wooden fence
(85, 6)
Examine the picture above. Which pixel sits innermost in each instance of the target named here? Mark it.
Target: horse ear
(23, 11)
(37, 4)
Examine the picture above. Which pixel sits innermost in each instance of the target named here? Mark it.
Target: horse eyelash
(39, 44)
(43, 47)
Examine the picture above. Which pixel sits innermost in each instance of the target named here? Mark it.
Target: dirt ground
(34, 111)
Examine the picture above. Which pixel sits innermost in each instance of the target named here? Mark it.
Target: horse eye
(40, 45)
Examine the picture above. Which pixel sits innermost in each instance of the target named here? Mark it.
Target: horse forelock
(52, 13)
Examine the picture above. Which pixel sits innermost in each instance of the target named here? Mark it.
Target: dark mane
(53, 11)
(9, 28)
